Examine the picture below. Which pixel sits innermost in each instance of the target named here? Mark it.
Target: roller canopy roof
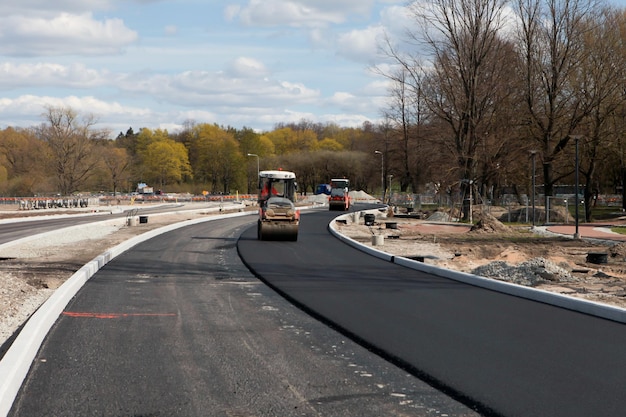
(277, 174)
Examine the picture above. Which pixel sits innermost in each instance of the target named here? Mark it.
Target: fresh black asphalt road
(505, 355)
(10, 231)
(178, 326)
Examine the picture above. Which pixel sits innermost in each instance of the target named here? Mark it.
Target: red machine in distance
(339, 198)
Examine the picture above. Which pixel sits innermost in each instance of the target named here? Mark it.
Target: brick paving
(595, 231)
(592, 231)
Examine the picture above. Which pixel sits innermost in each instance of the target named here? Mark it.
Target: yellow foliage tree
(218, 161)
(329, 144)
(287, 140)
(165, 161)
(146, 136)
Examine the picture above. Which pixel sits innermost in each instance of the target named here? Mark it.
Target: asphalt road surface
(178, 326)
(24, 227)
(498, 353)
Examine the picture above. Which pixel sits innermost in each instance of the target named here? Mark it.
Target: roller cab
(339, 198)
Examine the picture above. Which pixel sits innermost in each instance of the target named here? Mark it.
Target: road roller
(278, 217)
(339, 198)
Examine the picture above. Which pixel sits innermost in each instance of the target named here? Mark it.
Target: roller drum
(278, 231)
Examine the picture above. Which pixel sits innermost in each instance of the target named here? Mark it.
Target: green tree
(127, 141)
(218, 160)
(287, 140)
(329, 144)
(165, 162)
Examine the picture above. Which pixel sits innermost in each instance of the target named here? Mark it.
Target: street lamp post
(576, 138)
(576, 234)
(257, 167)
(533, 154)
(382, 174)
(257, 162)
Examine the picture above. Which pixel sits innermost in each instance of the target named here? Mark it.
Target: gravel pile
(530, 273)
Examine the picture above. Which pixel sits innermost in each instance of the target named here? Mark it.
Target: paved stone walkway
(595, 231)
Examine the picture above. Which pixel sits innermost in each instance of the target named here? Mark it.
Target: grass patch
(619, 229)
(604, 212)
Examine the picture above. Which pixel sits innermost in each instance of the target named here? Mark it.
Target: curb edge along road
(560, 300)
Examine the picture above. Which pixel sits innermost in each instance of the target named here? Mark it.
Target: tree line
(506, 85)
(503, 86)
(66, 154)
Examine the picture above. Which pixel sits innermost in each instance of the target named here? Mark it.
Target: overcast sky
(159, 63)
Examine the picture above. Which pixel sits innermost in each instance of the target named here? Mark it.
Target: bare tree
(71, 141)
(551, 44)
(116, 163)
(463, 38)
(602, 70)
(407, 114)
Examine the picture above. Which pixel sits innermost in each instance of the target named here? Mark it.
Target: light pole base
(576, 235)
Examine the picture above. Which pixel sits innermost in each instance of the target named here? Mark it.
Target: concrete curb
(571, 303)
(17, 361)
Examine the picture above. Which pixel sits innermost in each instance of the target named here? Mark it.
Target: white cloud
(229, 91)
(49, 74)
(342, 98)
(204, 88)
(231, 12)
(47, 7)
(361, 45)
(133, 73)
(379, 87)
(397, 20)
(346, 119)
(42, 7)
(321, 38)
(298, 13)
(365, 44)
(28, 110)
(362, 102)
(170, 30)
(64, 34)
(248, 68)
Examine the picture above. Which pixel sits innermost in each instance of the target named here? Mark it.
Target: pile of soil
(489, 224)
(618, 251)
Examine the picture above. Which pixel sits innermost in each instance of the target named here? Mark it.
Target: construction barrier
(47, 203)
